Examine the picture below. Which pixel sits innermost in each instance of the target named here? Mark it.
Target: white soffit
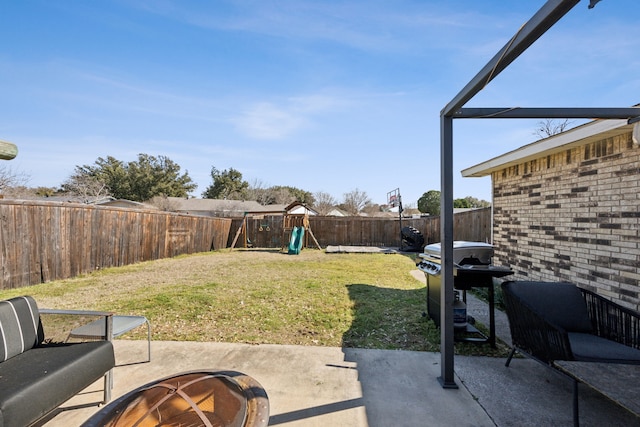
(584, 134)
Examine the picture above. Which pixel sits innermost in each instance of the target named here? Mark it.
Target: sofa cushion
(20, 327)
(560, 303)
(34, 382)
(592, 348)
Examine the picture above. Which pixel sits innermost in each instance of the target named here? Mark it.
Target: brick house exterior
(567, 208)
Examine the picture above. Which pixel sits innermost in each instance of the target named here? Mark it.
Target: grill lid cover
(463, 251)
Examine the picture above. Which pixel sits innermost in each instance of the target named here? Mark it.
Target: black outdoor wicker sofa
(562, 326)
(37, 376)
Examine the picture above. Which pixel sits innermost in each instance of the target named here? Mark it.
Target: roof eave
(589, 132)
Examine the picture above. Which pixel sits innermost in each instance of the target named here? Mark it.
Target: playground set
(296, 230)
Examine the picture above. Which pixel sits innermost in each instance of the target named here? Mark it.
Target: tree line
(153, 179)
(429, 202)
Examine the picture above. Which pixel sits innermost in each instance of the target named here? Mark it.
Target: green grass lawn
(264, 296)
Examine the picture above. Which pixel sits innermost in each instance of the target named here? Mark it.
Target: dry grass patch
(249, 296)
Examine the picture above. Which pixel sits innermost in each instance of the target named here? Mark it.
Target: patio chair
(559, 321)
(563, 326)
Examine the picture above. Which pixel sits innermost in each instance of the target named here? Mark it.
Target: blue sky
(321, 95)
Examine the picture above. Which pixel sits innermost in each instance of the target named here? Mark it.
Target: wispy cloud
(265, 120)
(273, 121)
(96, 90)
(363, 25)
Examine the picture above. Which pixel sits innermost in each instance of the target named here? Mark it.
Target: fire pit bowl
(202, 398)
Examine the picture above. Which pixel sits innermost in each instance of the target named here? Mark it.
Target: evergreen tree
(227, 184)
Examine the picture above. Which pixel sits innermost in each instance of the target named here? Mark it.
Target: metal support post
(446, 255)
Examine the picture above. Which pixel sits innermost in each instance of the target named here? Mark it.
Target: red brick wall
(574, 216)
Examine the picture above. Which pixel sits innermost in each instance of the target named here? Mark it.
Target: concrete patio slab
(329, 386)
(308, 386)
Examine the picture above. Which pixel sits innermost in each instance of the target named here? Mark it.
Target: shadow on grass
(395, 319)
(387, 319)
(391, 319)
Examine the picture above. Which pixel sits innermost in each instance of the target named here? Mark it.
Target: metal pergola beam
(632, 113)
(545, 18)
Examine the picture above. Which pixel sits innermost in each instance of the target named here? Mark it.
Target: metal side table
(121, 325)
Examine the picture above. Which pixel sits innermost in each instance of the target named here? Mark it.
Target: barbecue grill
(473, 268)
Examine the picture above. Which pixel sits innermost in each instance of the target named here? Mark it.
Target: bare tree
(371, 209)
(164, 203)
(9, 178)
(19, 192)
(355, 201)
(257, 191)
(85, 186)
(282, 196)
(550, 127)
(324, 202)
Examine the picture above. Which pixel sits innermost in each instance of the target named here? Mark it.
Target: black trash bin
(412, 239)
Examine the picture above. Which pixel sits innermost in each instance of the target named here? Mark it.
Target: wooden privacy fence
(266, 231)
(43, 241)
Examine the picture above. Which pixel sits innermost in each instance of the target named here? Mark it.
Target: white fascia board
(553, 144)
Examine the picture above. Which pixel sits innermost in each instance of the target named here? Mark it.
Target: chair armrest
(75, 312)
(531, 333)
(101, 320)
(613, 321)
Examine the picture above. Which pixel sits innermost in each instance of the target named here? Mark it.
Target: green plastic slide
(295, 243)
